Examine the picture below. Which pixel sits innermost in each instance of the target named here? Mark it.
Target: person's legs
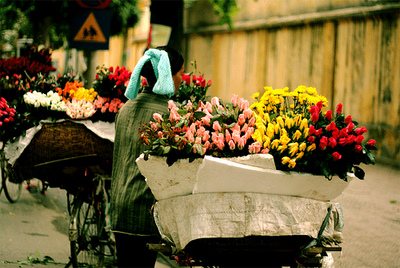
(132, 251)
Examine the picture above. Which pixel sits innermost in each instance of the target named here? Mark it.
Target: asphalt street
(37, 225)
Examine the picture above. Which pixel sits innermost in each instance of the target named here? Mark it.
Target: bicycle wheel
(11, 190)
(88, 247)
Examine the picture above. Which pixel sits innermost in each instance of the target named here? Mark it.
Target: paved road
(39, 224)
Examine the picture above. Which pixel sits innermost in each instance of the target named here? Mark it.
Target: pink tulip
(215, 101)
(241, 119)
(232, 145)
(241, 143)
(248, 113)
(206, 136)
(243, 104)
(234, 100)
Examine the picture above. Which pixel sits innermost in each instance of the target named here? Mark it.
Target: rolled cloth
(162, 70)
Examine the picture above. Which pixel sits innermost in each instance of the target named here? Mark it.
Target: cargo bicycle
(69, 156)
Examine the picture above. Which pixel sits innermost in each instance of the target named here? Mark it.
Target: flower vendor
(131, 198)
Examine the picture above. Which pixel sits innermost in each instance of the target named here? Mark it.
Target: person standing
(131, 199)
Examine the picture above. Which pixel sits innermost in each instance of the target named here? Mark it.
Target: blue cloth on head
(162, 69)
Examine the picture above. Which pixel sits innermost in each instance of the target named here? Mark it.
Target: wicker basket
(58, 143)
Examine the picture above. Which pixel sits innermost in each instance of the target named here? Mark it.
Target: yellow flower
(289, 122)
(282, 148)
(275, 144)
(280, 121)
(303, 146)
(284, 139)
(304, 123)
(312, 91)
(292, 163)
(285, 159)
(300, 155)
(256, 95)
(270, 131)
(257, 135)
(297, 135)
(266, 118)
(293, 148)
(312, 147)
(306, 132)
(277, 128)
(267, 142)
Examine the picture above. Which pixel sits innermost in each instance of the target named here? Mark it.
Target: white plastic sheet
(235, 215)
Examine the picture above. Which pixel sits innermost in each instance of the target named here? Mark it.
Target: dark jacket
(131, 198)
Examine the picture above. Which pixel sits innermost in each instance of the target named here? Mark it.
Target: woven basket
(59, 141)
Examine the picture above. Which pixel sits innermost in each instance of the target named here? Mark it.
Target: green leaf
(199, 114)
(182, 112)
(273, 116)
(166, 149)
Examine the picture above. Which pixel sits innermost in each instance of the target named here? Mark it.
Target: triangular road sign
(90, 31)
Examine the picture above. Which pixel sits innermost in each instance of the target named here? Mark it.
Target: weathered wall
(348, 50)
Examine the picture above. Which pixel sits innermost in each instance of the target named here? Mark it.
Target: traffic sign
(91, 30)
(99, 4)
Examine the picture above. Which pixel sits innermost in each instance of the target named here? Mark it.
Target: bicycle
(92, 243)
(11, 186)
(69, 156)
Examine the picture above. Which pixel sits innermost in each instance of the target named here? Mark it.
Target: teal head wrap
(162, 70)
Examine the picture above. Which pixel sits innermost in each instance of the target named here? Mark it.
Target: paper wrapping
(234, 215)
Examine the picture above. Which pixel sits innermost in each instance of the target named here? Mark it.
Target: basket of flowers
(314, 153)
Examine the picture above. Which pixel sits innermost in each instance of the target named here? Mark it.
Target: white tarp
(105, 130)
(235, 215)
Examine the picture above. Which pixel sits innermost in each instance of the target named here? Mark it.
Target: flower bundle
(110, 83)
(80, 109)
(210, 128)
(66, 91)
(49, 100)
(302, 138)
(193, 88)
(107, 105)
(7, 115)
(37, 61)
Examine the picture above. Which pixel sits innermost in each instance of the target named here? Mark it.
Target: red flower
(339, 108)
(319, 105)
(314, 117)
(371, 142)
(111, 69)
(318, 132)
(347, 120)
(336, 156)
(311, 139)
(332, 142)
(311, 130)
(328, 115)
(350, 127)
(358, 148)
(359, 139)
(343, 133)
(360, 131)
(186, 78)
(331, 126)
(323, 143)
